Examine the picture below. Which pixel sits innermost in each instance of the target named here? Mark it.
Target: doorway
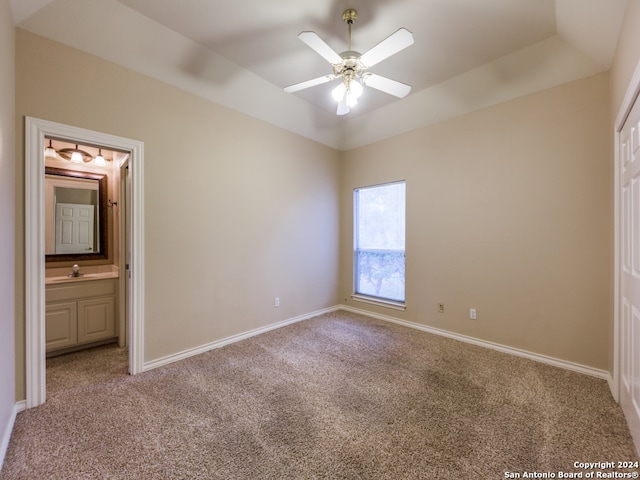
(35, 132)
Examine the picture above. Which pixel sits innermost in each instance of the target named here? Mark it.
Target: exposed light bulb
(350, 92)
(339, 91)
(99, 160)
(356, 88)
(351, 101)
(353, 93)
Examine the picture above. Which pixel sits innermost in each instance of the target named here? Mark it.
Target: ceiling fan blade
(309, 83)
(343, 108)
(386, 85)
(395, 42)
(319, 45)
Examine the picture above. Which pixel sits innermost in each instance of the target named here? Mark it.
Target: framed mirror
(75, 216)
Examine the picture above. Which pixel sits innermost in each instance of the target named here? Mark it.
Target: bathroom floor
(84, 367)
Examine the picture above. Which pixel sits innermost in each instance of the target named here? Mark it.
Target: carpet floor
(339, 396)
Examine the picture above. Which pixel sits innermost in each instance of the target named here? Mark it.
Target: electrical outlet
(441, 307)
(276, 303)
(472, 314)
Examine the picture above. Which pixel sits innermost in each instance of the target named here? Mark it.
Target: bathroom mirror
(75, 215)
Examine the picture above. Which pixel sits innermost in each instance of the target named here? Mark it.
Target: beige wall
(7, 219)
(509, 212)
(237, 211)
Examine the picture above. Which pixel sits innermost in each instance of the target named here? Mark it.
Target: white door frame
(35, 361)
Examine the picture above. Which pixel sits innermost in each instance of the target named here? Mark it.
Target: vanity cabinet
(79, 313)
(62, 325)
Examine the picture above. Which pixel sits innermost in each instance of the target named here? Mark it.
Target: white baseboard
(576, 367)
(234, 338)
(613, 387)
(6, 435)
(20, 406)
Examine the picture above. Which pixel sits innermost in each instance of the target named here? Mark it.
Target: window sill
(380, 302)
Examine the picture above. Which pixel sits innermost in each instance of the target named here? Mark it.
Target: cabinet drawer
(81, 289)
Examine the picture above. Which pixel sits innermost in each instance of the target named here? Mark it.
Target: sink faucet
(75, 271)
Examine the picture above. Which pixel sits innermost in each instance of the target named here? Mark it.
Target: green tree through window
(380, 241)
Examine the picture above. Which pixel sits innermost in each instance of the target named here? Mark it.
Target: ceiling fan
(351, 66)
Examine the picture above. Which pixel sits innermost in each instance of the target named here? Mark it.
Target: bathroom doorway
(128, 242)
(85, 246)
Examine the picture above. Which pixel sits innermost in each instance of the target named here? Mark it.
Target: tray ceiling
(468, 54)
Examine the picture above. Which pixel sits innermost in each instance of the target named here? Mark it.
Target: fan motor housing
(350, 54)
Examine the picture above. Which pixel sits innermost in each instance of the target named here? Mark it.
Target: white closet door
(630, 270)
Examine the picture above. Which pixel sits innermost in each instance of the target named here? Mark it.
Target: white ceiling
(468, 54)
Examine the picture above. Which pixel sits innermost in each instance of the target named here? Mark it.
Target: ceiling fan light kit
(351, 66)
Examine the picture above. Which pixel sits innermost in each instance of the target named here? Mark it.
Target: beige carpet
(339, 396)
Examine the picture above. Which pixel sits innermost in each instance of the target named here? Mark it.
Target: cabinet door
(61, 325)
(96, 319)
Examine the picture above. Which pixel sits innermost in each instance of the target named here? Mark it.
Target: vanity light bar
(75, 155)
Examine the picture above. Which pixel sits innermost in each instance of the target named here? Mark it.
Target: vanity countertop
(61, 275)
(83, 278)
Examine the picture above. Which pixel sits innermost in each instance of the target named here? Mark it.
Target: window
(379, 242)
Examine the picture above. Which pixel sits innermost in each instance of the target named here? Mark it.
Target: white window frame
(385, 302)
